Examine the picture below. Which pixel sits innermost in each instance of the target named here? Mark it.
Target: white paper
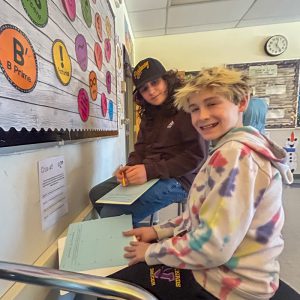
(53, 199)
(263, 71)
(278, 89)
(275, 114)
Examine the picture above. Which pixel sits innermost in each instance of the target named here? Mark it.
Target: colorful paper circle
(111, 110)
(37, 11)
(98, 25)
(93, 85)
(81, 51)
(107, 49)
(83, 104)
(86, 12)
(70, 8)
(103, 104)
(108, 81)
(119, 57)
(17, 58)
(62, 62)
(108, 27)
(98, 56)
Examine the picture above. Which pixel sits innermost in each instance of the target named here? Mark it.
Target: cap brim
(148, 79)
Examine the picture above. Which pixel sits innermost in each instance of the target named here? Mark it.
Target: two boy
(227, 242)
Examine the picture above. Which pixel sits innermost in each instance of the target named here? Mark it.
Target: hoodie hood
(259, 143)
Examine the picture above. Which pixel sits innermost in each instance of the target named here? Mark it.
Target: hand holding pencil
(120, 173)
(128, 175)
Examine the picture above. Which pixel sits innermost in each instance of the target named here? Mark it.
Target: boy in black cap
(167, 147)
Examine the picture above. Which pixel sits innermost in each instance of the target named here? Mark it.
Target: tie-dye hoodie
(230, 233)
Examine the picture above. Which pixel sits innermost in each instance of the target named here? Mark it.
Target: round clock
(276, 45)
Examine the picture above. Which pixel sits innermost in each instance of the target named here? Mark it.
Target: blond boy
(227, 242)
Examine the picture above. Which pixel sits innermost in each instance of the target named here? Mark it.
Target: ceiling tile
(273, 8)
(207, 13)
(148, 33)
(141, 5)
(199, 28)
(148, 20)
(148, 17)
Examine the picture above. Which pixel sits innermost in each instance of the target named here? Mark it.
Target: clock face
(276, 45)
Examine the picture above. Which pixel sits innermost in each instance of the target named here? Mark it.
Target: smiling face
(213, 115)
(155, 92)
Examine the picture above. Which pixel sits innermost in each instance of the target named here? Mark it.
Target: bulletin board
(278, 82)
(58, 71)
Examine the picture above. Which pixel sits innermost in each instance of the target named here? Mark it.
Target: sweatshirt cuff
(151, 260)
(163, 233)
(150, 171)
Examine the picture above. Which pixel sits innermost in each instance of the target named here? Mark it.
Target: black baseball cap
(147, 70)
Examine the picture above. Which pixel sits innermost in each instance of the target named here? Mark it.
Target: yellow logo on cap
(138, 72)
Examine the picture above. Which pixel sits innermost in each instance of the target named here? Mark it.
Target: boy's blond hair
(230, 83)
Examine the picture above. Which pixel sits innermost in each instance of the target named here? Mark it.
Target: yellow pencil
(123, 179)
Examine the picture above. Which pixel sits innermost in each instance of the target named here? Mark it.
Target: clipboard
(126, 195)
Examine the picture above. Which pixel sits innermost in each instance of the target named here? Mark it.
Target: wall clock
(276, 45)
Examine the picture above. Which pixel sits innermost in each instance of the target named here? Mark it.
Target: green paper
(96, 244)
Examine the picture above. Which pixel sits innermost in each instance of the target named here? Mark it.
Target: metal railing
(102, 287)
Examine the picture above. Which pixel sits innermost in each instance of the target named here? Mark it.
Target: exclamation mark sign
(61, 56)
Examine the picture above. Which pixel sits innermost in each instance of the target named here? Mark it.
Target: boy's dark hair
(173, 82)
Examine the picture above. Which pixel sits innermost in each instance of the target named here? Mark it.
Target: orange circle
(93, 85)
(17, 58)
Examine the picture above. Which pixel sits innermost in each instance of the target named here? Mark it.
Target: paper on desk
(126, 195)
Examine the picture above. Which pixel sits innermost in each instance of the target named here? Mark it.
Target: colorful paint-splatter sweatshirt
(230, 233)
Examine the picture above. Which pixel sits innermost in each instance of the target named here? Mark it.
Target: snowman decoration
(290, 148)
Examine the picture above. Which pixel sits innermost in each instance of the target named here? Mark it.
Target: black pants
(164, 282)
(100, 190)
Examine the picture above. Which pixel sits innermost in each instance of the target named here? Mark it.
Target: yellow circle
(62, 62)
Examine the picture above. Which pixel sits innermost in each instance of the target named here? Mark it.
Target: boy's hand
(120, 172)
(136, 252)
(142, 234)
(136, 174)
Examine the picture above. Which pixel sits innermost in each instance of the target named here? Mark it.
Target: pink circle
(108, 81)
(103, 104)
(70, 8)
(83, 104)
(107, 49)
(98, 56)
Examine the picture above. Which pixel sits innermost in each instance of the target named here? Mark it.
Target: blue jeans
(161, 194)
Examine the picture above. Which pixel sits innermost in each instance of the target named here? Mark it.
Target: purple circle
(81, 51)
(108, 81)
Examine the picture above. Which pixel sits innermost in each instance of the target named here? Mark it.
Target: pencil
(123, 179)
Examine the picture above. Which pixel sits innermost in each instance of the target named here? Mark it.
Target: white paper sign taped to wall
(53, 199)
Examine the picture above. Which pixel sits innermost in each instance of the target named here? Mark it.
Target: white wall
(191, 52)
(87, 163)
